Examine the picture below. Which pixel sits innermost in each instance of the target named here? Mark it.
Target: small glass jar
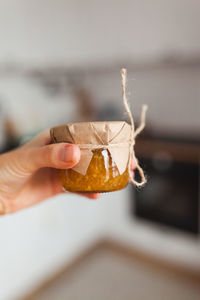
(105, 150)
(102, 175)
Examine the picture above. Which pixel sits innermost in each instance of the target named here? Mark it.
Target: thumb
(59, 156)
(25, 161)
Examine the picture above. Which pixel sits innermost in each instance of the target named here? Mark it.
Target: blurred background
(60, 62)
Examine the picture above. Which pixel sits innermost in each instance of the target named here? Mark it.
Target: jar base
(101, 191)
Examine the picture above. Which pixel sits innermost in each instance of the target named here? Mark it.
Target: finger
(133, 163)
(132, 175)
(25, 161)
(59, 156)
(13, 206)
(87, 195)
(45, 183)
(93, 196)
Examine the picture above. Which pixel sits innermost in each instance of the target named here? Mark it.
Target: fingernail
(69, 153)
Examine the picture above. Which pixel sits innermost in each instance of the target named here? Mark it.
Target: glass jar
(105, 151)
(102, 175)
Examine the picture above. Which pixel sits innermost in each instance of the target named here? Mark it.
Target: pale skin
(28, 175)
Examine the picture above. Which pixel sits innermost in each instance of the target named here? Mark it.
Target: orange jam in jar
(105, 151)
(102, 175)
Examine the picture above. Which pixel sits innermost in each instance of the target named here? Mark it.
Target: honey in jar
(104, 146)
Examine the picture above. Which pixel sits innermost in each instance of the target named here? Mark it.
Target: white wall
(171, 93)
(74, 32)
(31, 108)
(86, 32)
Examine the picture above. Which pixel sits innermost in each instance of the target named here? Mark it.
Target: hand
(28, 174)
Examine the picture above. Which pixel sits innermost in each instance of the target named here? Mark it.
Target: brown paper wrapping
(114, 136)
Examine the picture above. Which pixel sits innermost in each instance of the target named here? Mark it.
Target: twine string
(103, 146)
(134, 133)
(142, 120)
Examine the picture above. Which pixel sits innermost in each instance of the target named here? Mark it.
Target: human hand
(28, 174)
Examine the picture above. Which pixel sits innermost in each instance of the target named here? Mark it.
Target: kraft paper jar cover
(114, 136)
